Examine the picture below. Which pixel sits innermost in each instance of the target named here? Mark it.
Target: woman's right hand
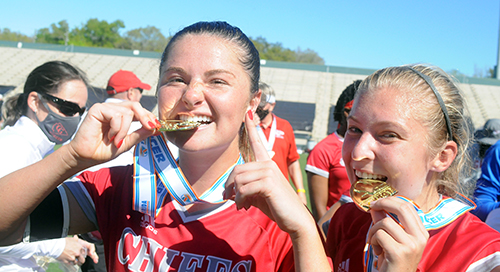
(103, 134)
(399, 245)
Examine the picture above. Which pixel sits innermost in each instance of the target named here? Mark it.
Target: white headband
(271, 99)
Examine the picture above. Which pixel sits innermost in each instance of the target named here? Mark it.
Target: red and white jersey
(284, 146)
(326, 160)
(221, 239)
(466, 244)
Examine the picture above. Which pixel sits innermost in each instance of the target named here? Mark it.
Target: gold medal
(177, 125)
(364, 191)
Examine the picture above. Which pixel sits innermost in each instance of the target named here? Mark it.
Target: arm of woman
(101, 137)
(261, 184)
(296, 176)
(318, 188)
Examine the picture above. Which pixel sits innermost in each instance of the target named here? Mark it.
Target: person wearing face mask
(47, 113)
(277, 136)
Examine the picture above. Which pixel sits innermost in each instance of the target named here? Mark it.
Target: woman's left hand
(262, 184)
(399, 246)
(76, 250)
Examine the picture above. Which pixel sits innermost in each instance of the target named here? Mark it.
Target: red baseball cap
(123, 80)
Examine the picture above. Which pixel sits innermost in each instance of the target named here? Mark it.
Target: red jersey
(466, 243)
(326, 160)
(284, 146)
(220, 239)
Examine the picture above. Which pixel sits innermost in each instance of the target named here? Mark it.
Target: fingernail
(250, 114)
(151, 125)
(112, 138)
(157, 122)
(119, 143)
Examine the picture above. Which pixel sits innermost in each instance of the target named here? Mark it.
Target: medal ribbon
(272, 136)
(154, 160)
(445, 212)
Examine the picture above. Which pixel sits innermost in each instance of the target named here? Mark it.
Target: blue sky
(455, 35)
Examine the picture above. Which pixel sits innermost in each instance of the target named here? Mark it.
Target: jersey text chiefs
(139, 253)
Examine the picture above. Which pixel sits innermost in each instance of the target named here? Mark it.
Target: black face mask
(261, 113)
(58, 129)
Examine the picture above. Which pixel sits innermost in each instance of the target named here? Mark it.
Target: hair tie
(440, 100)
(349, 104)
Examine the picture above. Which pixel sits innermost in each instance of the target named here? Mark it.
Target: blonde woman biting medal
(408, 135)
(405, 147)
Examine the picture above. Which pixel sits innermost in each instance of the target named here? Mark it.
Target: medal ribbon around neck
(272, 136)
(154, 160)
(445, 212)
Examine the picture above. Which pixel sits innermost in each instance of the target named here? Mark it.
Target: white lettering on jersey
(344, 266)
(148, 223)
(140, 253)
(280, 134)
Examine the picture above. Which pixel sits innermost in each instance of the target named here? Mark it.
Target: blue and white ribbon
(445, 212)
(154, 160)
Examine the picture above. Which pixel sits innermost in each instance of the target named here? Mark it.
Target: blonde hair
(429, 112)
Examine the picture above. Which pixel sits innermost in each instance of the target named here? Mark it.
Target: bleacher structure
(306, 94)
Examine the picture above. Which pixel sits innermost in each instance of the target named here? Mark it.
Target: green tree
(308, 56)
(276, 51)
(147, 39)
(491, 72)
(56, 34)
(98, 33)
(487, 72)
(7, 35)
(272, 51)
(457, 74)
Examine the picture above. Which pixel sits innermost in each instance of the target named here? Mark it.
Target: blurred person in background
(487, 193)
(46, 114)
(328, 182)
(1, 117)
(277, 136)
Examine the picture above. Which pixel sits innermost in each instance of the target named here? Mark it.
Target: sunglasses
(65, 107)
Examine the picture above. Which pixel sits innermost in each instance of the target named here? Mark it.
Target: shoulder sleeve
(320, 159)
(88, 188)
(487, 193)
(490, 260)
(83, 197)
(487, 242)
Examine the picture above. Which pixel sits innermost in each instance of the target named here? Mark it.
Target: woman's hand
(103, 134)
(399, 246)
(76, 250)
(262, 184)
